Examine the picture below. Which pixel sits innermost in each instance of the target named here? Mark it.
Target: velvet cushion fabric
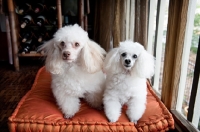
(37, 111)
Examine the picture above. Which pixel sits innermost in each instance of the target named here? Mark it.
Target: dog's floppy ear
(53, 62)
(145, 64)
(92, 56)
(112, 60)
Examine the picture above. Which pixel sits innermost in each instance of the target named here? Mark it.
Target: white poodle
(127, 67)
(75, 63)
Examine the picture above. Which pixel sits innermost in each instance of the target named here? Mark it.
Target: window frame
(195, 86)
(178, 11)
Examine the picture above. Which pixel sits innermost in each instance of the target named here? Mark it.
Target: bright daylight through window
(158, 18)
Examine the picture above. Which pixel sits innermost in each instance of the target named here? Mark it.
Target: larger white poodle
(75, 63)
(127, 68)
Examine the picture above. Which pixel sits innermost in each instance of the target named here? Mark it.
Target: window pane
(163, 49)
(159, 40)
(192, 59)
(189, 59)
(189, 78)
(196, 115)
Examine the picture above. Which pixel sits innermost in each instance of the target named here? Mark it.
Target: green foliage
(191, 74)
(193, 49)
(197, 20)
(196, 33)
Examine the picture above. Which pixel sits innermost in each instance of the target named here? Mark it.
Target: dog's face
(70, 40)
(70, 50)
(129, 55)
(72, 44)
(128, 59)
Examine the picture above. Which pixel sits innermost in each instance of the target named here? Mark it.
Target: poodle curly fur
(127, 67)
(75, 63)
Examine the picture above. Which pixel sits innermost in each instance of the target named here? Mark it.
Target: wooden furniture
(14, 25)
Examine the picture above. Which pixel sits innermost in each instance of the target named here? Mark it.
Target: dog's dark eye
(123, 54)
(62, 44)
(135, 56)
(76, 44)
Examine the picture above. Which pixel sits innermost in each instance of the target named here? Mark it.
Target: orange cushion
(37, 111)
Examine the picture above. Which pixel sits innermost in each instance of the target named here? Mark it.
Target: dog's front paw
(112, 119)
(134, 121)
(112, 116)
(67, 116)
(112, 109)
(133, 117)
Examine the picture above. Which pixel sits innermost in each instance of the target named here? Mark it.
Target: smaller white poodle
(127, 68)
(75, 63)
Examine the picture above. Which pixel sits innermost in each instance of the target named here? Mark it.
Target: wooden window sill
(181, 124)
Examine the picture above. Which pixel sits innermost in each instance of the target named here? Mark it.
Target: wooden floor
(13, 85)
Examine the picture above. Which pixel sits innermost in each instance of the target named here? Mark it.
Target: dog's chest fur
(76, 82)
(125, 86)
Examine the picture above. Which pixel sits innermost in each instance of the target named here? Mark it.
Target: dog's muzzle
(127, 63)
(66, 55)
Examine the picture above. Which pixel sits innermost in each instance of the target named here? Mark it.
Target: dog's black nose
(127, 61)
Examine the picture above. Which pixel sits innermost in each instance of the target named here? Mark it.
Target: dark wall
(3, 34)
(3, 47)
